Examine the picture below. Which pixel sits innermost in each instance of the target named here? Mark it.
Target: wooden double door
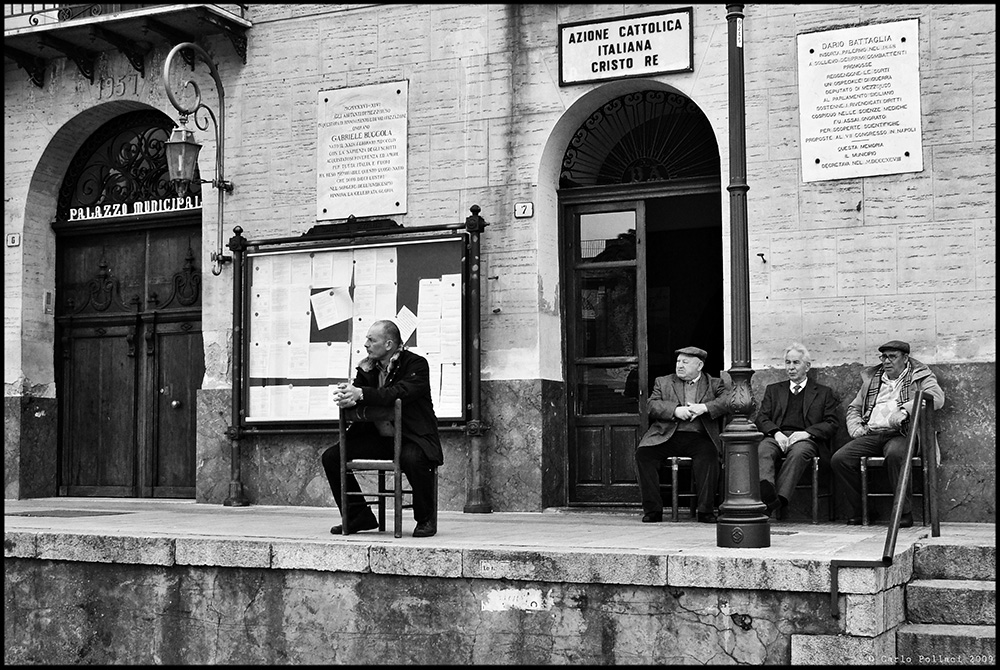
(643, 278)
(129, 358)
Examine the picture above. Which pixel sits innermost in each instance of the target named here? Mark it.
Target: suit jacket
(408, 379)
(668, 393)
(819, 412)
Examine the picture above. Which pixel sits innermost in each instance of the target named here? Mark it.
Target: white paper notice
(280, 398)
(322, 270)
(339, 362)
(281, 270)
(319, 360)
(299, 313)
(332, 306)
(298, 360)
(262, 271)
(429, 315)
(435, 379)
(300, 268)
(364, 301)
(407, 322)
(260, 301)
(385, 265)
(321, 405)
(298, 402)
(259, 402)
(451, 319)
(365, 267)
(278, 356)
(343, 267)
(257, 360)
(385, 301)
(451, 390)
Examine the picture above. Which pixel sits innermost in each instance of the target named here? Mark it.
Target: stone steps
(951, 601)
(950, 605)
(946, 644)
(934, 558)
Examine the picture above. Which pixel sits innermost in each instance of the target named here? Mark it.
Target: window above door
(641, 137)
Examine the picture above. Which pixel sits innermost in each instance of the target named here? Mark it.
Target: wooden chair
(674, 486)
(816, 493)
(870, 463)
(381, 467)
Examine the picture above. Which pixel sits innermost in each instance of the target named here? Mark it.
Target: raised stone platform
(271, 585)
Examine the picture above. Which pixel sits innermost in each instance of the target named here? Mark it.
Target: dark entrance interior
(684, 289)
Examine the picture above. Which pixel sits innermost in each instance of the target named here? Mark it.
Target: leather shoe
(707, 517)
(780, 504)
(652, 517)
(906, 521)
(425, 529)
(369, 523)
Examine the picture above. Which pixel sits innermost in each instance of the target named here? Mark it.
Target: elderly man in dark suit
(387, 373)
(686, 410)
(799, 420)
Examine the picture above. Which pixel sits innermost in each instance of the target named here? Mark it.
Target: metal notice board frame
(305, 304)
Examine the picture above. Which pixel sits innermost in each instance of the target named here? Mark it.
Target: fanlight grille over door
(646, 136)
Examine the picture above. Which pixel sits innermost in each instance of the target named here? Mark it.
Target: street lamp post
(742, 522)
(182, 158)
(182, 150)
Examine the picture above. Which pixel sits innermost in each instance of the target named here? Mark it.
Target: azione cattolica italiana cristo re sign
(633, 46)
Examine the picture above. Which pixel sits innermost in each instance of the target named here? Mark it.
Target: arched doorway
(128, 347)
(642, 271)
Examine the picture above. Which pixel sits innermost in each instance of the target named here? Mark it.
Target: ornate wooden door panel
(129, 318)
(98, 430)
(180, 362)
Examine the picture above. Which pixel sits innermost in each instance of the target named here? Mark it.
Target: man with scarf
(387, 373)
(878, 420)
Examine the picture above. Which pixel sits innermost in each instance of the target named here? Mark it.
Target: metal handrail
(920, 426)
(904, 479)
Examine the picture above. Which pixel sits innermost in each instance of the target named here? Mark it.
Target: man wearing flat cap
(878, 420)
(686, 411)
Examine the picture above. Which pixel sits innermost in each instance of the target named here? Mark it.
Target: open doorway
(641, 223)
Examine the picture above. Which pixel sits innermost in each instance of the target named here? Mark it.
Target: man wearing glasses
(878, 420)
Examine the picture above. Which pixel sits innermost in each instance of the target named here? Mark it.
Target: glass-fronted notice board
(309, 309)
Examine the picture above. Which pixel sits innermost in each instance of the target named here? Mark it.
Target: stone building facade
(840, 264)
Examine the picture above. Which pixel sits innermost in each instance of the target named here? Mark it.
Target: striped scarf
(876, 384)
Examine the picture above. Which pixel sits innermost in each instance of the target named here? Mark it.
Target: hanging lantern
(182, 157)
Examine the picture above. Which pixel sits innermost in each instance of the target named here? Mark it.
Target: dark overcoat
(668, 393)
(408, 379)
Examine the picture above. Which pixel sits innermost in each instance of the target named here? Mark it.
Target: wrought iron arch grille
(124, 161)
(641, 137)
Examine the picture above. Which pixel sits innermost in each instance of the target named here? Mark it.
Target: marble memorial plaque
(859, 101)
